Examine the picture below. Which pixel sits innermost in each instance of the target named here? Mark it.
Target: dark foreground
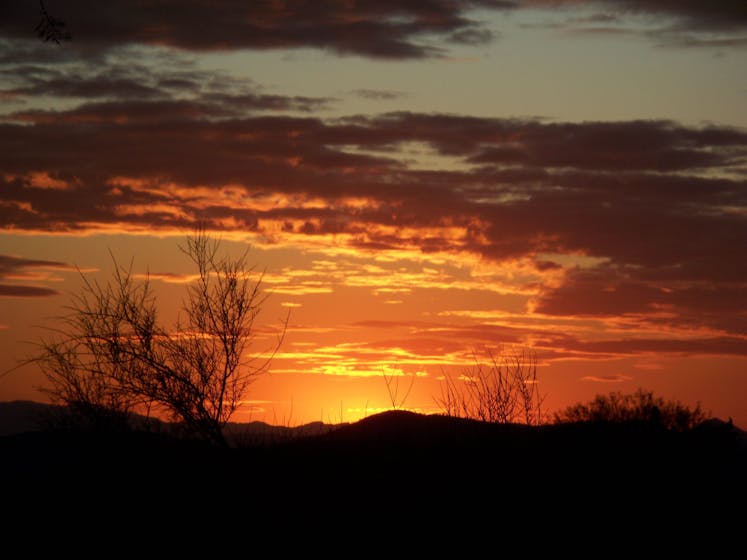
(392, 458)
(393, 484)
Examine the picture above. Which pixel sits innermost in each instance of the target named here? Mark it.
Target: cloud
(653, 210)
(690, 14)
(265, 102)
(370, 28)
(378, 94)
(19, 268)
(413, 29)
(168, 277)
(723, 345)
(117, 89)
(460, 344)
(617, 378)
(42, 81)
(686, 23)
(608, 292)
(13, 291)
(13, 266)
(621, 146)
(692, 41)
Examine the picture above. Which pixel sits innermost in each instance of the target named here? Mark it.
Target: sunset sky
(423, 181)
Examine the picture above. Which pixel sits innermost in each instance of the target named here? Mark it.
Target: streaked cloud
(686, 23)
(379, 94)
(617, 378)
(19, 269)
(168, 277)
(13, 291)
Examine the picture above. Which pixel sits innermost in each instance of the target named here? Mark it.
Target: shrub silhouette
(641, 406)
(113, 355)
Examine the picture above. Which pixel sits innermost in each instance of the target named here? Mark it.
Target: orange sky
(442, 183)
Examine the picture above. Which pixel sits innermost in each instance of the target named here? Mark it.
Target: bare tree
(503, 389)
(393, 389)
(114, 355)
(51, 28)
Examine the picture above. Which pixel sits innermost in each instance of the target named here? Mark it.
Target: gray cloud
(182, 87)
(685, 23)
(371, 28)
(379, 94)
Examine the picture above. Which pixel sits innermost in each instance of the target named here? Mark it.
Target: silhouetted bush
(641, 406)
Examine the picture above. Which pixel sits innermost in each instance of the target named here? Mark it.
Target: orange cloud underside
(370, 299)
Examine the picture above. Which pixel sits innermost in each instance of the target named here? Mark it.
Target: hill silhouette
(18, 417)
(392, 456)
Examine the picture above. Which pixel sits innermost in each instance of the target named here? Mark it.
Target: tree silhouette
(114, 356)
(50, 28)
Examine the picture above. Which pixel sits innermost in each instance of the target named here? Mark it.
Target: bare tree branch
(504, 389)
(114, 355)
(51, 28)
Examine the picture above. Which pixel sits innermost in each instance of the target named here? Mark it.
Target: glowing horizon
(565, 177)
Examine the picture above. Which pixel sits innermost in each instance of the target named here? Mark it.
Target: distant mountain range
(387, 457)
(18, 417)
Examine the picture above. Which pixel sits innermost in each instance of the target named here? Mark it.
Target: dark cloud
(81, 87)
(686, 23)
(476, 341)
(622, 146)
(600, 291)
(598, 18)
(29, 50)
(7, 290)
(657, 202)
(714, 15)
(264, 102)
(717, 345)
(472, 35)
(609, 292)
(372, 28)
(17, 268)
(182, 88)
(13, 265)
(689, 40)
(135, 111)
(547, 265)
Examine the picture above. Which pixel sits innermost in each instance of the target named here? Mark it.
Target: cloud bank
(658, 208)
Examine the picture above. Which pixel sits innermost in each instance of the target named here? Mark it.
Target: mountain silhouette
(383, 459)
